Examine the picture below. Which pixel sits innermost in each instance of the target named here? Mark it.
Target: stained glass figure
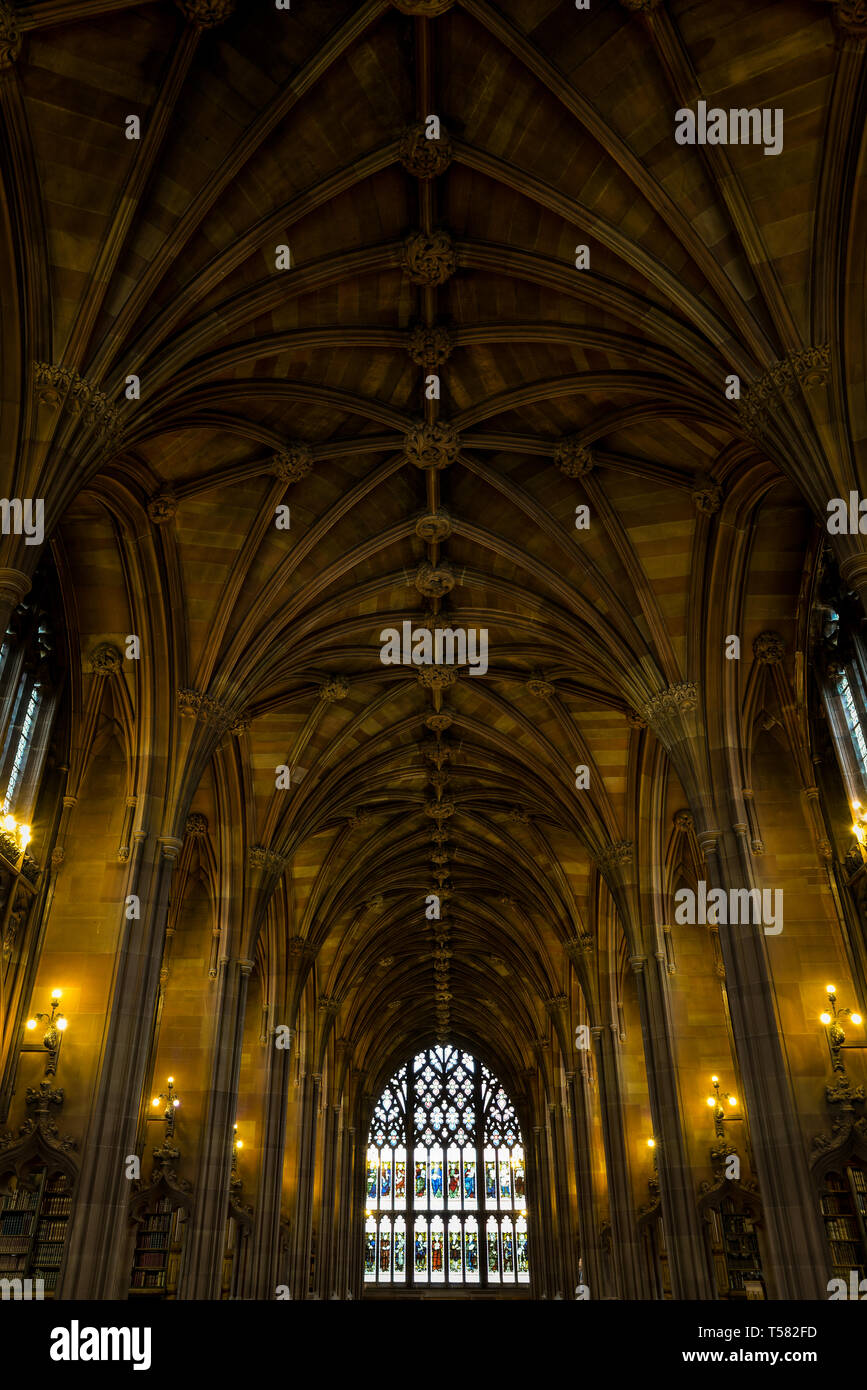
(436, 1180)
(444, 1134)
(519, 1178)
(399, 1250)
(420, 1251)
(505, 1180)
(420, 1181)
(454, 1181)
(491, 1182)
(384, 1248)
(469, 1181)
(454, 1247)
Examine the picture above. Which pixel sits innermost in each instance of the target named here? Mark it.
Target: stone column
(202, 1264)
(581, 1142)
(325, 1260)
(299, 1271)
(96, 1261)
(564, 1254)
(690, 1275)
(263, 1266)
(799, 1256)
(624, 1234)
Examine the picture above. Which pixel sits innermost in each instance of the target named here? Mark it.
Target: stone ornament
(439, 722)
(806, 368)
(676, 699)
(293, 463)
(706, 494)
(439, 810)
(106, 660)
(335, 688)
(429, 258)
(851, 17)
(192, 704)
(206, 13)
(434, 445)
(537, 685)
(634, 720)
(259, 857)
(434, 527)
(434, 580)
(616, 856)
(197, 824)
(424, 158)
(58, 386)
(436, 677)
(769, 648)
(10, 37)
(163, 506)
(683, 820)
(571, 456)
(430, 347)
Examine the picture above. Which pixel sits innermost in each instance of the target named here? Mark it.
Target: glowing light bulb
(176, 1103)
(733, 1100)
(825, 1018)
(155, 1102)
(830, 989)
(711, 1101)
(61, 1022)
(9, 823)
(55, 994)
(239, 1144)
(651, 1143)
(31, 1023)
(171, 1081)
(714, 1079)
(24, 835)
(856, 1018)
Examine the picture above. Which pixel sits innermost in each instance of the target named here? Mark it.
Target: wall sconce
(172, 1103)
(859, 824)
(55, 1023)
(842, 1092)
(719, 1114)
(18, 834)
(835, 1035)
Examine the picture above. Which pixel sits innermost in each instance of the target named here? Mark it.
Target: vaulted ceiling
(304, 387)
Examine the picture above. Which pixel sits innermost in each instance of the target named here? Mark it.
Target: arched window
(445, 1188)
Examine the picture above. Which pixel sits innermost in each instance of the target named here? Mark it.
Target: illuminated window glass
(445, 1187)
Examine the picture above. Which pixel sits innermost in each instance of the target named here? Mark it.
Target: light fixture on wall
(172, 1102)
(722, 1149)
(836, 1037)
(859, 824)
(17, 832)
(55, 1024)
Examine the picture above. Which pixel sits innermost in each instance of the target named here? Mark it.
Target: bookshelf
(843, 1203)
(734, 1248)
(33, 1226)
(157, 1252)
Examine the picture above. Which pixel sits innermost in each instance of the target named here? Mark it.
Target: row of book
(142, 1279)
(51, 1230)
(844, 1228)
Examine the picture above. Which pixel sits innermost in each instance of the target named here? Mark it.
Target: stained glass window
(445, 1169)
